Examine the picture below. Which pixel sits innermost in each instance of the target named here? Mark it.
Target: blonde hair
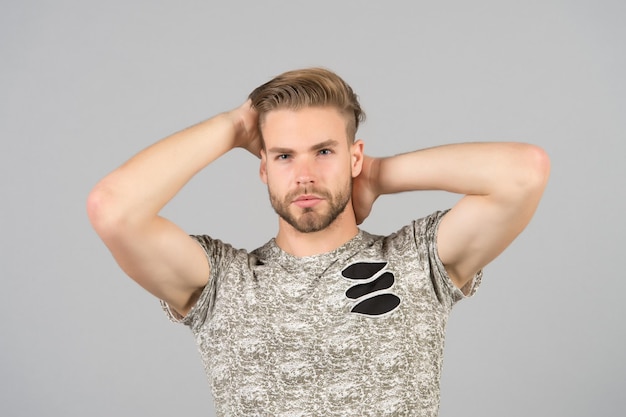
(309, 87)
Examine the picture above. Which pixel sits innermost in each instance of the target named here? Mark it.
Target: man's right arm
(124, 206)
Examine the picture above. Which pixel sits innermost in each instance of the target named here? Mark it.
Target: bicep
(164, 260)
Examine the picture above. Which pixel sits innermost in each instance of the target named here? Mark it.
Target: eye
(325, 152)
(282, 157)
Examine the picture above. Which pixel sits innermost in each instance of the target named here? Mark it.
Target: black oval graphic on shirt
(383, 282)
(377, 305)
(363, 270)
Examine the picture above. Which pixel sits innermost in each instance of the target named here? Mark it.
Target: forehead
(286, 127)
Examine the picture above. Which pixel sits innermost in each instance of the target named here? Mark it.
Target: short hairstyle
(309, 87)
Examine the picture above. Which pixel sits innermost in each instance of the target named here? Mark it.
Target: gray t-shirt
(358, 331)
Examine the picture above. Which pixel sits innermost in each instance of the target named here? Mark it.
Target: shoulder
(428, 226)
(220, 254)
(421, 231)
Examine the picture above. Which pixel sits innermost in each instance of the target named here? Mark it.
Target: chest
(276, 339)
(342, 311)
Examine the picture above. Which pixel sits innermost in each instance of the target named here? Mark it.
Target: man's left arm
(502, 184)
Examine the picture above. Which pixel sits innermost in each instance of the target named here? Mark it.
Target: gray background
(84, 85)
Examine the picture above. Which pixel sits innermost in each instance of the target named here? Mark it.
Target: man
(324, 319)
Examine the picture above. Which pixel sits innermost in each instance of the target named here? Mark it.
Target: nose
(304, 172)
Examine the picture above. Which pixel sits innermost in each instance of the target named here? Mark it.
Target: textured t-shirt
(358, 331)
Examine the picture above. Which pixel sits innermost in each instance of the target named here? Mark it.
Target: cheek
(274, 173)
(275, 179)
(349, 169)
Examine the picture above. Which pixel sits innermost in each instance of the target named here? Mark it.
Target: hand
(246, 121)
(365, 188)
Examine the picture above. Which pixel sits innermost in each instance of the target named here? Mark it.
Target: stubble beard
(312, 219)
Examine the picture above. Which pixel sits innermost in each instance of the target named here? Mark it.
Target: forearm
(140, 188)
(495, 169)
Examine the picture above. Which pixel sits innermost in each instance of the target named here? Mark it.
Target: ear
(263, 167)
(356, 157)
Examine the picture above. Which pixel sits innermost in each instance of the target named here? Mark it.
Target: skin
(308, 168)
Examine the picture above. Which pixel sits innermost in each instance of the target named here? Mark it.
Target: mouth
(307, 200)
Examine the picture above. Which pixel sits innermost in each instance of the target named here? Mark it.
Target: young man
(324, 319)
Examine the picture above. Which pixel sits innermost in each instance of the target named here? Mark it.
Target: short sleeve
(219, 256)
(426, 237)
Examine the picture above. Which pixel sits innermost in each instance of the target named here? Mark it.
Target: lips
(307, 200)
(307, 197)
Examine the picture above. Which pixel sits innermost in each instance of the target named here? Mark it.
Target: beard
(312, 219)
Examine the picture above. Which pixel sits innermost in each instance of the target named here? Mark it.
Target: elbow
(528, 175)
(525, 174)
(536, 169)
(103, 212)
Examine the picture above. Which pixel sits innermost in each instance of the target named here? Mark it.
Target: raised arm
(124, 206)
(502, 183)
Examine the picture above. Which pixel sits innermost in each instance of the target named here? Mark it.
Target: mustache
(307, 190)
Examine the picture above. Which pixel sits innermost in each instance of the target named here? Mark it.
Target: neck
(301, 244)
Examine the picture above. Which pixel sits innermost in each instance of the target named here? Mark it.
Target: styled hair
(309, 87)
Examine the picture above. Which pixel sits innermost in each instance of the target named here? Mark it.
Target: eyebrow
(326, 144)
